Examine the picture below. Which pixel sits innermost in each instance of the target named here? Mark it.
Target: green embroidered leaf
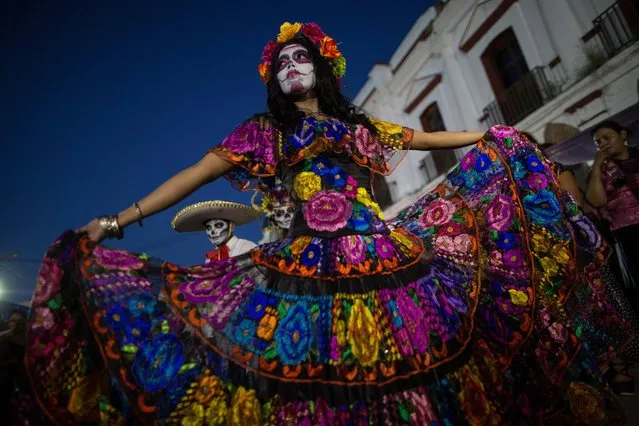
(235, 281)
(508, 142)
(314, 308)
(270, 354)
(187, 367)
(144, 256)
(281, 309)
(129, 349)
(54, 303)
(164, 327)
(403, 412)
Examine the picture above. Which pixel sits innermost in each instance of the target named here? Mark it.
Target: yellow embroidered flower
(217, 412)
(268, 324)
(341, 333)
(377, 210)
(549, 265)
(307, 184)
(208, 387)
(363, 334)
(402, 239)
(518, 297)
(363, 196)
(540, 243)
(386, 127)
(288, 31)
(560, 254)
(245, 409)
(300, 244)
(194, 416)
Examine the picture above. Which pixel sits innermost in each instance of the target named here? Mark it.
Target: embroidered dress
(452, 313)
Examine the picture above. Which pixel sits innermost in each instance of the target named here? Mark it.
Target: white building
(469, 64)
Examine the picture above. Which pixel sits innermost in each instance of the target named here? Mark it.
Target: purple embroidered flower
(265, 148)
(384, 248)
(586, 230)
(243, 138)
(365, 142)
(499, 213)
(205, 290)
(438, 212)
(353, 249)
(537, 181)
(327, 211)
(116, 259)
(414, 322)
(503, 131)
(468, 161)
(513, 258)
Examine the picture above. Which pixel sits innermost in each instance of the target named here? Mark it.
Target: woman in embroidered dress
(453, 315)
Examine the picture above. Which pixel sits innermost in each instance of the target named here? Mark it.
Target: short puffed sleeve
(253, 150)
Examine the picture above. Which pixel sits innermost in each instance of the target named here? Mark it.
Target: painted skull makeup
(218, 231)
(283, 216)
(295, 70)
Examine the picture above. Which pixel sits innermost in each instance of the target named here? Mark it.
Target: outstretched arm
(174, 190)
(423, 141)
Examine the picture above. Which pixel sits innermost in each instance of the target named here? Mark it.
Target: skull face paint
(218, 231)
(295, 70)
(283, 216)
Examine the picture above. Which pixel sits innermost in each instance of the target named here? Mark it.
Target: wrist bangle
(111, 227)
(140, 214)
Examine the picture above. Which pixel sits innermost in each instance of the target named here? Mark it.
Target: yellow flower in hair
(288, 31)
(307, 184)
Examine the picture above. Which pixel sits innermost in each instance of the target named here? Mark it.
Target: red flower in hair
(269, 49)
(313, 32)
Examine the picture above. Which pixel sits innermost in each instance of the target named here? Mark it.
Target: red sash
(220, 254)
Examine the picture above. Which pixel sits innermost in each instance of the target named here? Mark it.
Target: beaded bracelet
(140, 214)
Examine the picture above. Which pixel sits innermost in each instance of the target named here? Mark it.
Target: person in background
(613, 188)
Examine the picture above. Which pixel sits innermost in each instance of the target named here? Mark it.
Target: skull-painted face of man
(219, 231)
(283, 216)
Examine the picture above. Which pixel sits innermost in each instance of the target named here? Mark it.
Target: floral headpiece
(274, 197)
(326, 45)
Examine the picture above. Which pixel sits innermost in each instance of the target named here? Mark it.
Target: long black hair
(284, 112)
(613, 125)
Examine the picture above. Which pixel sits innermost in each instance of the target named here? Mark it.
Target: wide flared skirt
(468, 311)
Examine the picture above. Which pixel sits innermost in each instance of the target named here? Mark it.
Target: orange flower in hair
(264, 70)
(328, 48)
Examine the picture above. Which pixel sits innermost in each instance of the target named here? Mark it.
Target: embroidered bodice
(326, 166)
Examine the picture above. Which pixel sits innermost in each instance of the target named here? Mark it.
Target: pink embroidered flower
(544, 316)
(116, 259)
(384, 248)
(438, 212)
(43, 319)
(403, 342)
(445, 243)
(414, 322)
(350, 189)
(499, 213)
(451, 228)
(468, 162)
(353, 249)
(365, 142)
(558, 332)
(48, 282)
(495, 258)
(243, 138)
(47, 340)
(537, 181)
(327, 211)
(313, 32)
(265, 149)
(269, 50)
(513, 258)
(463, 243)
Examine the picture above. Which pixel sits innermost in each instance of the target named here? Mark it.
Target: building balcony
(528, 94)
(617, 27)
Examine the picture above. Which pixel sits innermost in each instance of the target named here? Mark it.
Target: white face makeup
(218, 231)
(283, 216)
(295, 70)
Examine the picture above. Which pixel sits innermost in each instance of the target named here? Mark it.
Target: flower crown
(326, 45)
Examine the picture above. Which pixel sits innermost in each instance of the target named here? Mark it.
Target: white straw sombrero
(192, 218)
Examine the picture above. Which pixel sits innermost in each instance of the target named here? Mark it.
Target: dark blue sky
(102, 101)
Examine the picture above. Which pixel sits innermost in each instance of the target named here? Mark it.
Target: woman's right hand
(94, 231)
(601, 157)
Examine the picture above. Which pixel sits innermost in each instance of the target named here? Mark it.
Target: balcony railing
(528, 94)
(618, 26)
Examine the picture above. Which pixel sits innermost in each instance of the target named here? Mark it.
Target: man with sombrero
(218, 219)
